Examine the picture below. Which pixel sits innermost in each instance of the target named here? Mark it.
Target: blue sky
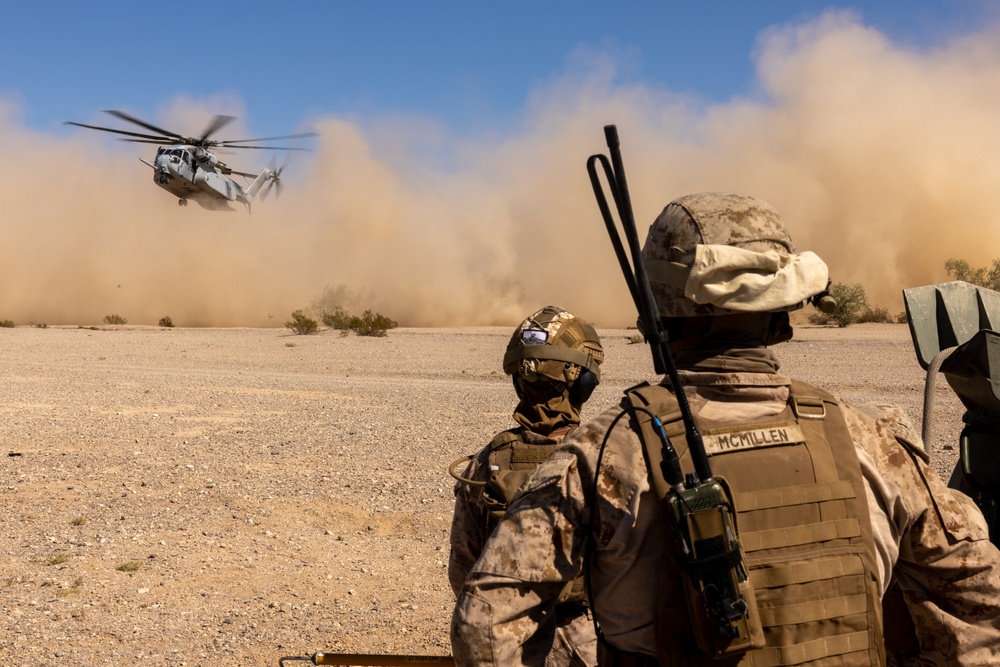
(448, 178)
(468, 66)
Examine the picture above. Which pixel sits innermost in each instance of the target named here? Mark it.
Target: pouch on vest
(719, 596)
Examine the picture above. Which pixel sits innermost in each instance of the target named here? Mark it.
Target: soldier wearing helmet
(831, 504)
(554, 361)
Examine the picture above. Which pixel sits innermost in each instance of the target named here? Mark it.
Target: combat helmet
(723, 254)
(555, 346)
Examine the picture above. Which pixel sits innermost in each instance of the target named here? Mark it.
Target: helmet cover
(553, 344)
(706, 228)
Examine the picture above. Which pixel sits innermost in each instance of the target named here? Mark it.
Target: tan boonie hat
(722, 254)
(553, 343)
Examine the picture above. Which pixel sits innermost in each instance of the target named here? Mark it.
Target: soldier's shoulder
(891, 420)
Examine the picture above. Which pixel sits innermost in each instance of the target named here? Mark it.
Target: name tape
(766, 436)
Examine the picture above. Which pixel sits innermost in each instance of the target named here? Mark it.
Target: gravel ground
(230, 496)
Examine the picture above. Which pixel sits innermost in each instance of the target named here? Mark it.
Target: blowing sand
(230, 496)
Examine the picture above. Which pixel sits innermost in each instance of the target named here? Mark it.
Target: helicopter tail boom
(262, 178)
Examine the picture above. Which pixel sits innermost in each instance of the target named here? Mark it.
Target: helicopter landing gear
(182, 202)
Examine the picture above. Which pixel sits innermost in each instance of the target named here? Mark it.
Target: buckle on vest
(808, 407)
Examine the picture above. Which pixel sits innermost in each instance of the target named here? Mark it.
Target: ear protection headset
(584, 386)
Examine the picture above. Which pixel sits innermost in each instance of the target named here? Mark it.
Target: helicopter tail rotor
(274, 183)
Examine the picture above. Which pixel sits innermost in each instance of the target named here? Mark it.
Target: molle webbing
(803, 525)
(511, 462)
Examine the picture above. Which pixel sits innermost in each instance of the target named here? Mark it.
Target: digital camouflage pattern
(709, 218)
(928, 536)
(573, 641)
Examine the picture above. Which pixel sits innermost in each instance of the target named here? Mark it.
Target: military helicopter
(187, 168)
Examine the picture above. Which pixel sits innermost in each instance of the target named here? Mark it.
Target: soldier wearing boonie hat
(832, 504)
(553, 359)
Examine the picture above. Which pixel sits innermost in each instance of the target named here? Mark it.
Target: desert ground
(231, 496)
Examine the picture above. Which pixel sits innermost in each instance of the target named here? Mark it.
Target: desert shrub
(7, 324)
(40, 325)
(165, 321)
(372, 324)
(988, 277)
(875, 315)
(115, 319)
(301, 324)
(636, 338)
(337, 319)
(852, 303)
(902, 318)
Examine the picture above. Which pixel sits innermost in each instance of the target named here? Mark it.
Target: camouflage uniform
(545, 417)
(930, 539)
(573, 641)
(936, 545)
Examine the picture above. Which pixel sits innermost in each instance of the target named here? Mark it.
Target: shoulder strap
(504, 438)
(661, 402)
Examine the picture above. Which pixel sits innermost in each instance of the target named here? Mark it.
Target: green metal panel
(947, 315)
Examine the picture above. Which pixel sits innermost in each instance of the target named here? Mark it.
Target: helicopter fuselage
(187, 169)
(188, 172)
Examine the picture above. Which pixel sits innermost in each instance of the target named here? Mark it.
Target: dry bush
(301, 324)
(372, 324)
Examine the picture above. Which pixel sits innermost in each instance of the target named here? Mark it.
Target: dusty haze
(884, 160)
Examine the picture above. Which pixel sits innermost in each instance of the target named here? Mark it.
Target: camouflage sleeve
(511, 593)
(948, 569)
(467, 523)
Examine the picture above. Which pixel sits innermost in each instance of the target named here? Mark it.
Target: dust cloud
(883, 159)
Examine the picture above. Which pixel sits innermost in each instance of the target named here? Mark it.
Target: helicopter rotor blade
(162, 142)
(304, 135)
(217, 124)
(226, 144)
(142, 123)
(125, 132)
(273, 184)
